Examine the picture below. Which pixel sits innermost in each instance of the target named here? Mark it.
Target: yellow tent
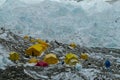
(42, 42)
(32, 40)
(35, 50)
(26, 37)
(14, 56)
(51, 59)
(73, 45)
(84, 56)
(33, 60)
(71, 59)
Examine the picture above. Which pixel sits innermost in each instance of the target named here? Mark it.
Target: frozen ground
(91, 69)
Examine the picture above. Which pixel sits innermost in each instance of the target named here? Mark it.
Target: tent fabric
(26, 37)
(33, 60)
(32, 40)
(107, 64)
(84, 56)
(73, 45)
(51, 58)
(70, 57)
(14, 56)
(42, 64)
(35, 50)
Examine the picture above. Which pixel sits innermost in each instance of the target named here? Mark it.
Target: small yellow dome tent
(51, 58)
(84, 56)
(35, 50)
(26, 37)
(39, 41)
(32, 40)
(71, 59)
(73, 45)
(33, 60)
(14, 56)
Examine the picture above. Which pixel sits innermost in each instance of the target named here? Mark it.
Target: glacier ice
(88, 23)
(2, 2)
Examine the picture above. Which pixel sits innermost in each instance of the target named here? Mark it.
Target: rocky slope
(93, 68)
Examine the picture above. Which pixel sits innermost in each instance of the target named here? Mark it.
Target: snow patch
(4, 61)
(91, 73)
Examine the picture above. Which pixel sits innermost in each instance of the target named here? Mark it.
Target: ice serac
(89, 23)
(51, 18)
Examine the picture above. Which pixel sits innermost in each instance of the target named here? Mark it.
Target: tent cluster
(32, 40)
(40, 46)
(73, 60)
(49, 59)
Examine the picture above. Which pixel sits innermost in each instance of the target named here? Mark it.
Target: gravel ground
(18, 44)
(14, 73)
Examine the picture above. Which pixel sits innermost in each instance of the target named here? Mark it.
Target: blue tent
(107, 64)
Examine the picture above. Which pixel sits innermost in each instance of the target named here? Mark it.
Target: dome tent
(14, 56)
(84, 56)
(42, 64)
(35, 50)
(71, 59)
(51, 58)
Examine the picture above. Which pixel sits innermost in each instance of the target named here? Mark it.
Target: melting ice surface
(89, 22)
